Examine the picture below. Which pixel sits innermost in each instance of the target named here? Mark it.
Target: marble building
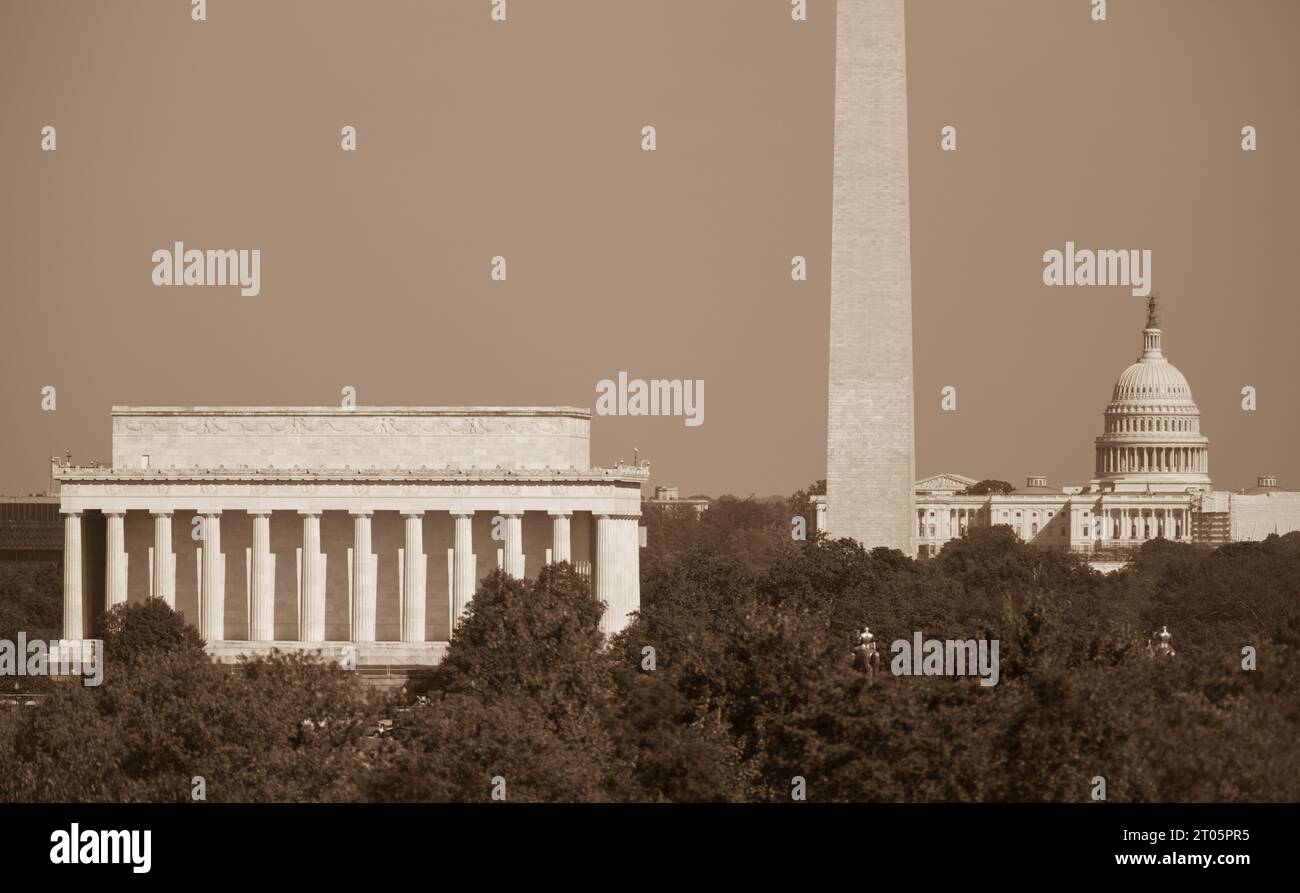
(1151, 465)
(362, 530)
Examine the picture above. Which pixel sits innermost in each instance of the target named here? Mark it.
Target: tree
(145, 630)
(522, 695)
(985, 487)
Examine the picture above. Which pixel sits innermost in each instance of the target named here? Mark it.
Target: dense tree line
(736, 678)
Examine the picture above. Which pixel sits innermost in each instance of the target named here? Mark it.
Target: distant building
(1250, 515)
(668, 498)
(30, 528)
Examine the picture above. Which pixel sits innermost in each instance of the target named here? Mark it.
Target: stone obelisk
(871, 461)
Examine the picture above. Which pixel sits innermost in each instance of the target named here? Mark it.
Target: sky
(523, 139)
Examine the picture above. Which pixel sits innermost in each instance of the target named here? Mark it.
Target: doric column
(73, 610)
(561, 541)
(514, 545)
(631, 563)
(312, 612)
(617, 570)
(413, 576)
(164, 562)
(212, 599)
(463, 570)
(261, 583)
(363, 579)
(606, 555)
(114, 560)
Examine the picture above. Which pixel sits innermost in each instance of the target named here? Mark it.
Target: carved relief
(344, 425)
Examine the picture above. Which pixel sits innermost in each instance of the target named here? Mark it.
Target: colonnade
(1152, 459)
(616, 571)
(1125, 525)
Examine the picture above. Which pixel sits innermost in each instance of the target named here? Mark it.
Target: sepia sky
(523, 139)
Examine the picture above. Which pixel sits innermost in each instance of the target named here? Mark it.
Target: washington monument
(871, 461)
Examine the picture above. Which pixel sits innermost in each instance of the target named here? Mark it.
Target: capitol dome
(1152, 440)
(1153, 380)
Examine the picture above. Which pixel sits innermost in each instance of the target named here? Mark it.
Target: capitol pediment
(944, 483)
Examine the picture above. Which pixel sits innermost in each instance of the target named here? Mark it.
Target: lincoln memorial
(312, 528)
